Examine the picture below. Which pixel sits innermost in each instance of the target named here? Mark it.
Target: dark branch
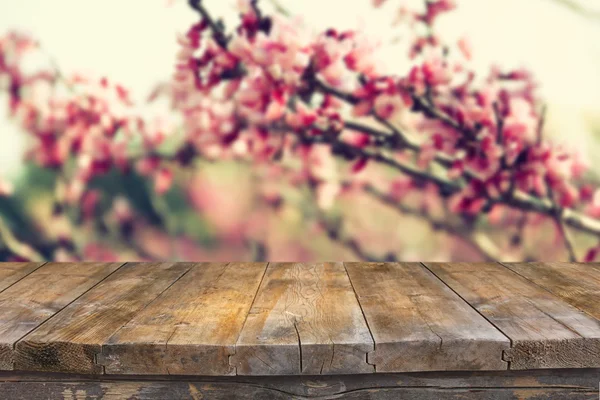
(477, 240)
(217, 30)
(514, 198)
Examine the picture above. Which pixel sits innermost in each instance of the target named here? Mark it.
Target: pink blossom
(388, 106)
(521, 121)
(163, 180)
(89, 202)
(326, 194)
(275, 111)
(271, 93)
(592, 254)
(360, 165)
(6, 188)
(464, 44)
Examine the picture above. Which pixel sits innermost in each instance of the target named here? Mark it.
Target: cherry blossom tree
(465, 155)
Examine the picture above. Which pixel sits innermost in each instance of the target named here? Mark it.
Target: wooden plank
(576, 283)
(12, 272)
(419, 324)
(498, 385)
(305, 320)
(192, 328)
(545, 331)
(41, 294)
(70, 341)
(161, 390)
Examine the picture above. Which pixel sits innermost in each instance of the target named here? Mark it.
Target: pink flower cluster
(273, 86)
(269, 90)
(80, 126)
(242, 91)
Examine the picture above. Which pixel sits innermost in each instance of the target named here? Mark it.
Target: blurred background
(133, 42)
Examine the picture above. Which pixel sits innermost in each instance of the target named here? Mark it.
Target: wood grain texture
(192, 328)
(41, 294)
(576, 283)
(546, 332)
(286, 319)
(419, 324)
(12, 272)
(224, 391)
(305, 320)
(545, 384)
(70, 341)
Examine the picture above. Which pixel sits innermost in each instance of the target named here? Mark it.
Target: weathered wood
(70, 341)
(545, 331)
(41, 294)
(419, 324)
(545, 384)
(192, 328)
(576, 283)
(298, 319)
(12, 272)
(305, 320)
(225, 391)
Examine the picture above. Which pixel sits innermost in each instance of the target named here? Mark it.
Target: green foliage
(33, 183)
(133, 187)
(171, 212)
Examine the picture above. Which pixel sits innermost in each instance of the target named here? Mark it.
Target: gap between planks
(144, 307)
(66, 305)
(236, 346)
(545, 329)
(9, 281)
(365, 318)
(28, 308)
(419, 324)
(246, 318)
(477, 311)
(305, 319)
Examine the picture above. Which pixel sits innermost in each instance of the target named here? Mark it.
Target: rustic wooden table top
(297, 319)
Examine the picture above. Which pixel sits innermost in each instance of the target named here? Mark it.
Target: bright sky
(133, 41)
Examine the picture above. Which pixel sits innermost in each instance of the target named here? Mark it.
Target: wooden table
(289, 330)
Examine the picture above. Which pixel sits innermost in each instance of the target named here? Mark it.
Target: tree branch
(516, 199)
(558, 211)
(477, 240)
(334, 233)
(217, 30)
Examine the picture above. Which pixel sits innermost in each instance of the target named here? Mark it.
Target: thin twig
(355, 247)
(540, 128)
(161, 206)
(379, 156)
(430, 111)
(218, 33)
(334, 232)
(259, 251)
(567, 239)
(517, 238)
(558, 218)
(477, 240)
(514, 199)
